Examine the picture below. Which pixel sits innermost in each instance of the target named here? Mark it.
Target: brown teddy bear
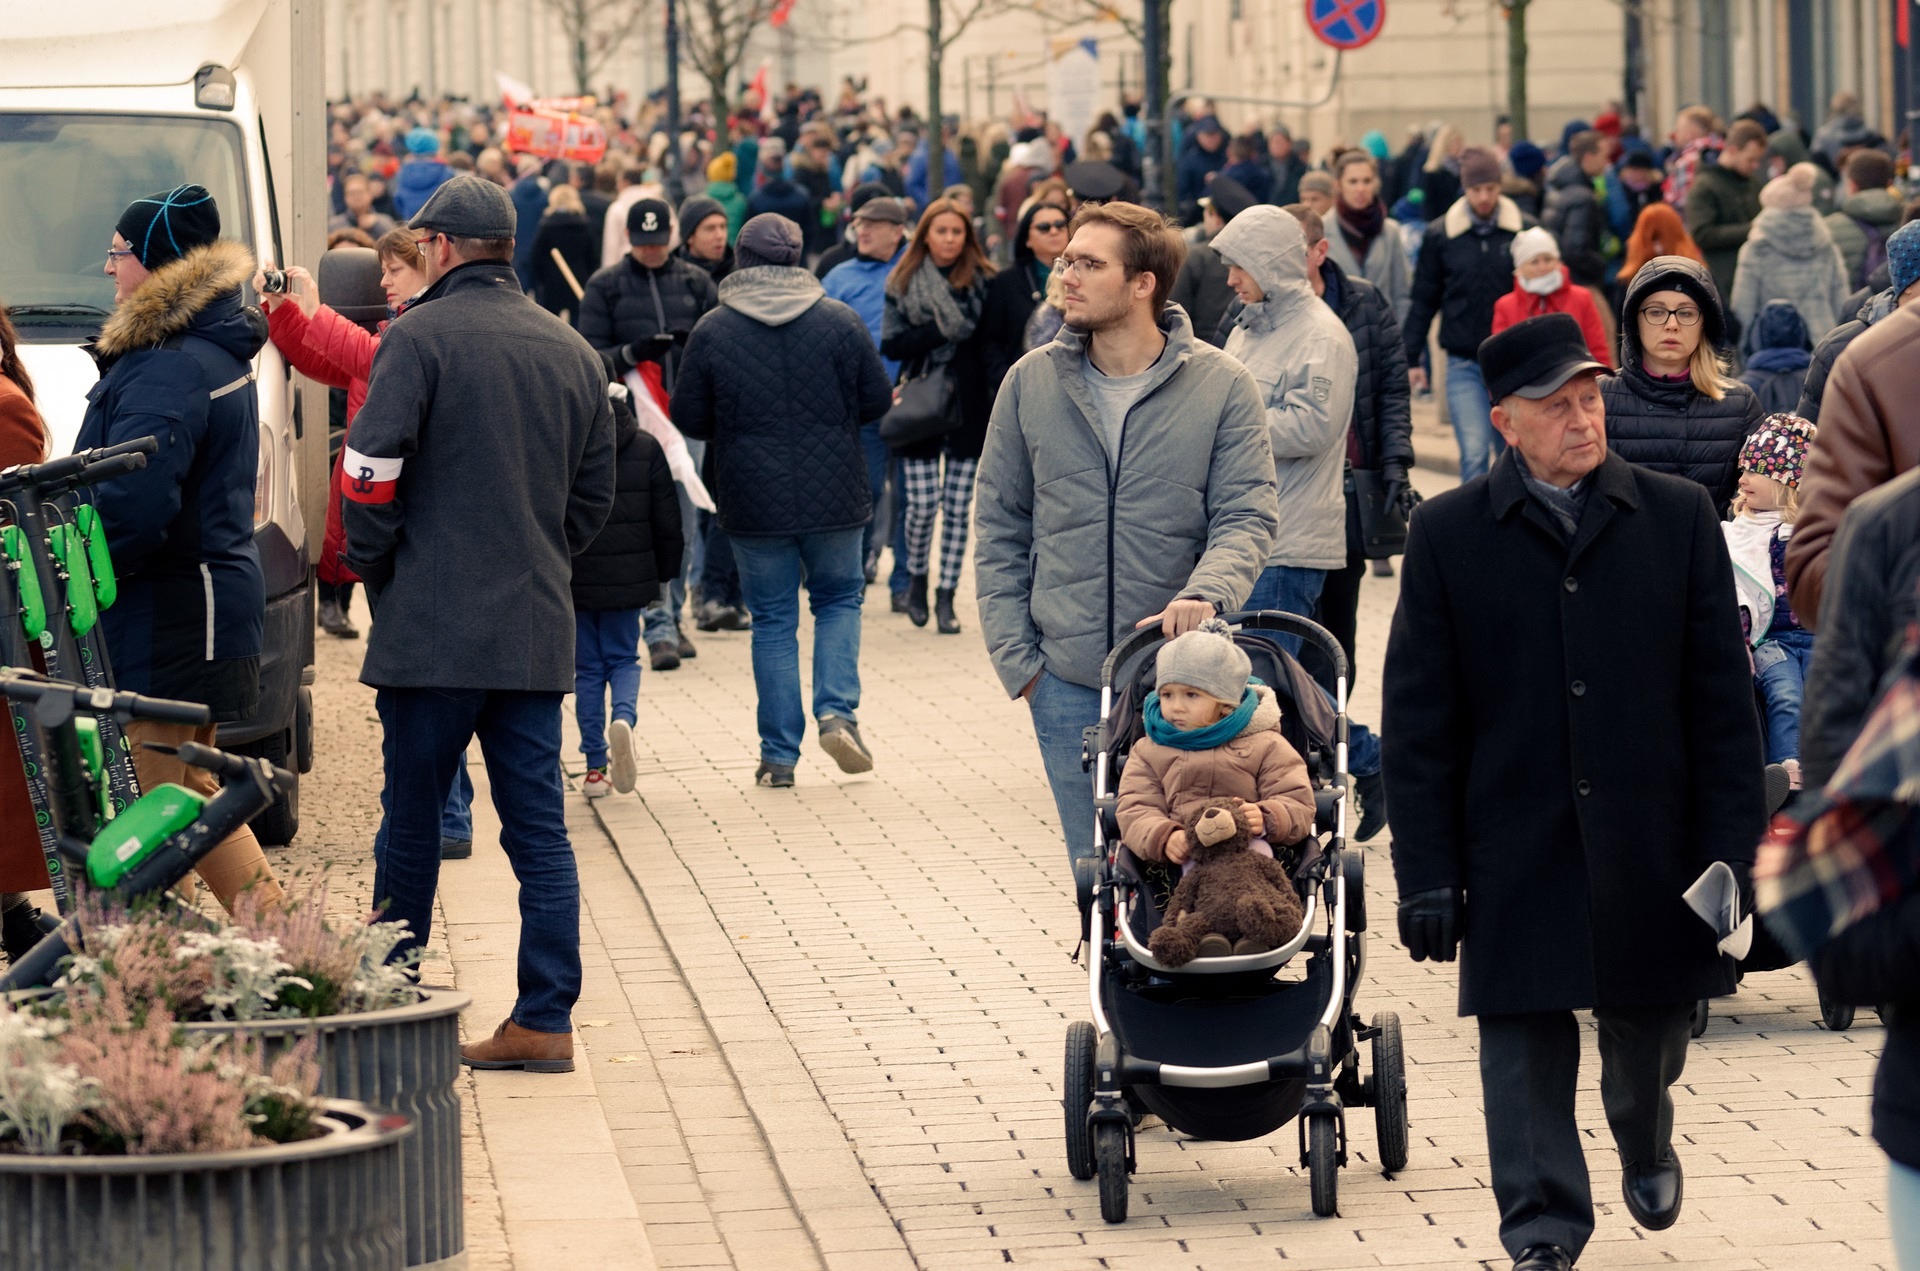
(1233, 901)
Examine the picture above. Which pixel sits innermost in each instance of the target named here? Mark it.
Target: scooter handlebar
(232, 767)
(68, 467)
(32, 688)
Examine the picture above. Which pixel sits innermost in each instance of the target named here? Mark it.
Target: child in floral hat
(1762, 521)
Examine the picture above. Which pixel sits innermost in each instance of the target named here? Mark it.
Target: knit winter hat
(1778, 448)
(423, 141)
(1903, 256)
(1792, 188)
(723, 167)
(1206, 658)
(1527, 159)
(767, 239)
(164, 227)
(1529, 243)
(1478, 166)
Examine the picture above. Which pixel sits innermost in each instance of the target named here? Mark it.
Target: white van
(108, 101)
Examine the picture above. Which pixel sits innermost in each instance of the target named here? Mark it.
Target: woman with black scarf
(1368, 244)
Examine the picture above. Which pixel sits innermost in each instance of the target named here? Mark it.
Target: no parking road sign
(1346, 24)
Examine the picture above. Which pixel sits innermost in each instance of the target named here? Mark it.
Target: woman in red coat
(338, 352)
(23, 439)
(1541, 284)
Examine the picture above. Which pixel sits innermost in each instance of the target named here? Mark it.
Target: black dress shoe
(1653, 1193)
(1543, 1258)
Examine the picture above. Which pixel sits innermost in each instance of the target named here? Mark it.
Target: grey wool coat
(480, 465)
(1072, 548)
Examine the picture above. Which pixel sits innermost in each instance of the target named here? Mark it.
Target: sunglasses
(1048, 227)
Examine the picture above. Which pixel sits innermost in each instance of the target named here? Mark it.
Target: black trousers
(1529, 1071)
(1338, 609)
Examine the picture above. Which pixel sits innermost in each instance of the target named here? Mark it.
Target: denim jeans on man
(1291, 589)
(1472, 416)
(1780, 668)
(663, 615)
(771, 572)
(719, 573)
(425, 732)
(879, 458)
(456, 819)
(1903, 1212)
(1062, 712)
(606, 658)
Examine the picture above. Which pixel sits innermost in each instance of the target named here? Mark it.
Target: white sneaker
(596, 785)
(620, 749)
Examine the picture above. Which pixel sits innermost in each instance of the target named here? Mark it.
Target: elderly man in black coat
(1570, 741)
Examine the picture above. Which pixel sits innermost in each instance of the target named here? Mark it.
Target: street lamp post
(676, 189)
(1153, 103)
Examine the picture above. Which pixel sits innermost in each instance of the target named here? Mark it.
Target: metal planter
(331, 1203)
(406, 1058)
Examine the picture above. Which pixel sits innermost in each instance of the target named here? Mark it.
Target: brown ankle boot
(512, 1046)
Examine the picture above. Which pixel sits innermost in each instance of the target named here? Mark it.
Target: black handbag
(1383, 526)
(925, 406)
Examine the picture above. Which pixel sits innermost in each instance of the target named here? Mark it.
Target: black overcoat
(1570, 735)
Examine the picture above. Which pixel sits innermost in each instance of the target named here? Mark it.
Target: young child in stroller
(1212, 733)
(1763, 517)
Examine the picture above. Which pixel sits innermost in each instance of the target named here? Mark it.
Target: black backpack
(1876, 253)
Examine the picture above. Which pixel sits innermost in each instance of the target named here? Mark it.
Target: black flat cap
(1532, 359)
(467, 206)
(1227, 197)
(1094, 180)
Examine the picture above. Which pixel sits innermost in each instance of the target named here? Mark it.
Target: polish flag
(782, 10)
(758, 87)
(368, 478)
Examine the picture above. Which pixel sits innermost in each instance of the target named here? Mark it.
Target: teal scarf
(1213, 735)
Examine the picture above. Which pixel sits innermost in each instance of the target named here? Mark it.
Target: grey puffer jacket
(1789, 255)
(1303, 359)
(1073, 548)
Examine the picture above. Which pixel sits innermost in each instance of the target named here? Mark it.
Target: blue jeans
(1903, 1213)
(1294, 590)
(662, 617)
(719, 575)
(879, 458)
(606, 647)
(456, 819)
(770, 577)
(901, 579)
(1062, 712)
(424, 733)
(1780, 668)
(1472, 417)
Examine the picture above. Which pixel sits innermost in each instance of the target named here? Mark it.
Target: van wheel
(276, 826)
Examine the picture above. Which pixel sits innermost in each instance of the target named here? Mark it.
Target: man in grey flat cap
(480, 465)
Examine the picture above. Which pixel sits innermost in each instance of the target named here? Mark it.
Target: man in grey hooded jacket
(1126, 480)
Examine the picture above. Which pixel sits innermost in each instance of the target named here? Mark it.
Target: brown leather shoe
(512, 1046)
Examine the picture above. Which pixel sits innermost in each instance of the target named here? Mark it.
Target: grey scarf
(1564, 506)
(931, 298)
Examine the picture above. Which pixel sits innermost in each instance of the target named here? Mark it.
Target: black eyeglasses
(1657, 315)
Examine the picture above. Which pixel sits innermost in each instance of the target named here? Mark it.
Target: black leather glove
(1430, 924)
(1398, 491)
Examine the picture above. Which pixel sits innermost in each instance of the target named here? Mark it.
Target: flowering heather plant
(118, 1076)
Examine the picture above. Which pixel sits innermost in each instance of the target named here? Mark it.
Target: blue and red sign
(1346, 24)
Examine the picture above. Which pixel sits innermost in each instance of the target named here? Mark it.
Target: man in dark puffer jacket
(781, 379)
(1669, 425)
(618, 575)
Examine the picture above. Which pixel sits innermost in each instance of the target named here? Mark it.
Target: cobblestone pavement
(823, 1027)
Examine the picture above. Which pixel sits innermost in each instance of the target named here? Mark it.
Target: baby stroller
(1229, 1048)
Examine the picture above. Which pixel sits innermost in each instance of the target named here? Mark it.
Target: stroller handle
(1253, 620)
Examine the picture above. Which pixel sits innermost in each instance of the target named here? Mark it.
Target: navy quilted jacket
(780, 379)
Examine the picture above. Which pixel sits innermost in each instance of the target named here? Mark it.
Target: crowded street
(922, 635)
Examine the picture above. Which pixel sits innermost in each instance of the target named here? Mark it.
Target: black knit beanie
(166, 226)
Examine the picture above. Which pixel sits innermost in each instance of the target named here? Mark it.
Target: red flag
(758, 87)
(782, 10)
(1902, 30)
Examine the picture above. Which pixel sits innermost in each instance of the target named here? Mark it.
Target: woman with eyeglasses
(1040, 235)
(935, 297)
(1673, 407)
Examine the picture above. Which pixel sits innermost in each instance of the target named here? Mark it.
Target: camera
(274, 283)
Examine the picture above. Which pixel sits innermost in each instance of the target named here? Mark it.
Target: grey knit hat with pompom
(1206, 658)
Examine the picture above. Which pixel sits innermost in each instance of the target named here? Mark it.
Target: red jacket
(338, 353)
(1520, 304)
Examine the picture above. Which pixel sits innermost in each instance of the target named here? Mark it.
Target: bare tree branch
(596, 30)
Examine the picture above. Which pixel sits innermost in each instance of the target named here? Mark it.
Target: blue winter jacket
(917, 182)
(529, 205)
(860, 283)
(415, 183)
(176, 365)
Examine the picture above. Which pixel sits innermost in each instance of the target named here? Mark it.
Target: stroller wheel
(1323, 1167)
(1389, 1092)
(1836, 1017)
(1700, 1014)
(1076, 1097)
(1110, 1151)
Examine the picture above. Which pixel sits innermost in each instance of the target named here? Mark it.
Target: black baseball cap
(649, 223)
(1533, 359)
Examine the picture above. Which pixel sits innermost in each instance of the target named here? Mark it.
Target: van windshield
(64, 181)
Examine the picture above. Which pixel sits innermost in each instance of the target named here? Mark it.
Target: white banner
(1073, 88)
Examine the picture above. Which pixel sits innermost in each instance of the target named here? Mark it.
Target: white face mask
(1544, 285)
